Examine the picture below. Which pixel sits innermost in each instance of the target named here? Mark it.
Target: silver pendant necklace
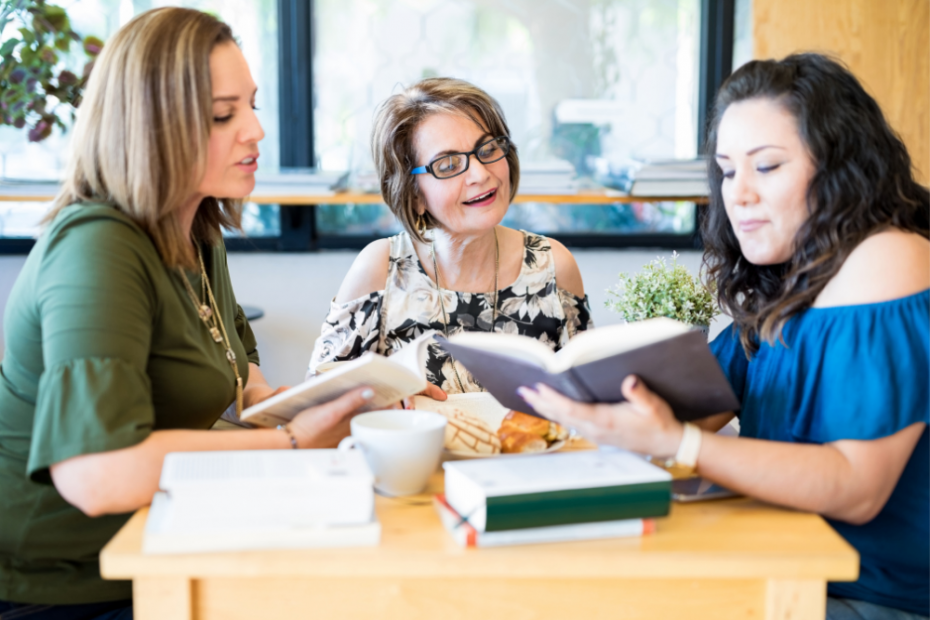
(442, 305)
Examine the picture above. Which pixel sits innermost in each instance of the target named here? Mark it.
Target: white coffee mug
(402, 447)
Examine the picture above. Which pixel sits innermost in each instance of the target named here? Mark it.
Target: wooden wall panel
(886, 44)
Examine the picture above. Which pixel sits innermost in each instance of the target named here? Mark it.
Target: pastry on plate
(467, 433)
(515, 441)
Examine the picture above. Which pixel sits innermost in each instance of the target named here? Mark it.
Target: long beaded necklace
(442, 306)
(211, 317)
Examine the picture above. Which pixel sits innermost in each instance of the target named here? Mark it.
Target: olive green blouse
(104, 346)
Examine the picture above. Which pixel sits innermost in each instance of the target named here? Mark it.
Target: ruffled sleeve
(868, 365)
(96, 302)
(732, 358)
(86, 406)
(577, 312)
(350, 329)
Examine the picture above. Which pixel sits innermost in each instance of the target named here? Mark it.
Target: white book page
(522, 348)
(554, 472)
(202, 471)
(392, 379)
(604, 342)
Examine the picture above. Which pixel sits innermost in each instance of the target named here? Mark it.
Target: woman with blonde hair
(449, 173)
(124, 338)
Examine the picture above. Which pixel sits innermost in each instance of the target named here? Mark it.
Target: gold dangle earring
(421, 225)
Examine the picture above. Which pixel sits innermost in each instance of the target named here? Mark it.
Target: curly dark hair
(863, 183)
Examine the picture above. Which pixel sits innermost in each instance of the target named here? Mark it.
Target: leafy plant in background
(36, 90)
(663, 290)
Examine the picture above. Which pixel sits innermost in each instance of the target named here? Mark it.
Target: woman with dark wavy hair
(816, 238)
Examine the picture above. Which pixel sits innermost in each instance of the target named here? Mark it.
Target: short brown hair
(395, 126)
(142, 130)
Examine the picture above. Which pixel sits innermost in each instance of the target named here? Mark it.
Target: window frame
(299, 231)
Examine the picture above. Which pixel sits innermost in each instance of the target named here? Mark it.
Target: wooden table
(734, 558)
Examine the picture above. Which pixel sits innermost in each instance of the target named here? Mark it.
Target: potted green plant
(36, 88)
(665, 290)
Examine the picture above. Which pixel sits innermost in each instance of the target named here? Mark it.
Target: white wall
(294, 291)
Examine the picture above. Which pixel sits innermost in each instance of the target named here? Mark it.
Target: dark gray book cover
(681, 369)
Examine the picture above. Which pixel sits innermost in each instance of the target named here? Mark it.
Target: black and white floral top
(384, 321)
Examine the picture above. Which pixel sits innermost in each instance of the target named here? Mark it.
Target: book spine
(631, 501)
(562, 533)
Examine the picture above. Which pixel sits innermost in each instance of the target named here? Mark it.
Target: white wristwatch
(684, 463)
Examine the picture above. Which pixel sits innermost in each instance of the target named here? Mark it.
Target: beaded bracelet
(290, 435)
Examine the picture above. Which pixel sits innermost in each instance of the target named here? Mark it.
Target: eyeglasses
(454, 164)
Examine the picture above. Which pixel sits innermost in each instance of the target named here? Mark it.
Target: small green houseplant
(36, 88)
(665, 290)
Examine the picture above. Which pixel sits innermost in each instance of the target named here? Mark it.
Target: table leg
(159, 598)
(795, 599)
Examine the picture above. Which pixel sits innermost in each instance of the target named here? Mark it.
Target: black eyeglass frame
(429, 167)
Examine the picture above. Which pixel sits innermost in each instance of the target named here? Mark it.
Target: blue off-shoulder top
(852, 372)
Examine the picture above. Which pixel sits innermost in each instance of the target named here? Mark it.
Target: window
(577, 80)
(255, 24)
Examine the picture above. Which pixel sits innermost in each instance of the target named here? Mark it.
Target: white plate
(481, 405)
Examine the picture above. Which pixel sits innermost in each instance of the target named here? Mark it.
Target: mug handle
(348, 443)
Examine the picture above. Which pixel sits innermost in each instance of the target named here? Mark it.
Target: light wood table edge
(121, 558)
(358, 198)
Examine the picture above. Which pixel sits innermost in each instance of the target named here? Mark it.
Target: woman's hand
(324, 426)
(643, 424)
(432, 391)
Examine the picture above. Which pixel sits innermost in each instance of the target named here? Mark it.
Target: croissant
(513, 440)
(465, 433)
(550, 431)
(526, 423)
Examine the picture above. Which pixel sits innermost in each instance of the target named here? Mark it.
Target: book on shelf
(672, 177)
(289, 181)
(673, 360)
(464, 533)
(392, 378)
(556, 489)
(261, 499)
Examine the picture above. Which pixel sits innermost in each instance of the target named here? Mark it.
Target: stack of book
(556, 497)
(302, 181)
(262, 499)
(670, 177)
(551, 177)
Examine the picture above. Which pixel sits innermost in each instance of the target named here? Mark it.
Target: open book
(673, 360)
(392, 378)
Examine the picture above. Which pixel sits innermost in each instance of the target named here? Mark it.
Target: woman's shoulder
(84, 231)
(567, 273)
(887, 265)
(368, 272)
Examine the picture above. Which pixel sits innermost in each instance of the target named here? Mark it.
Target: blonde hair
(392, 139)
(140, 140)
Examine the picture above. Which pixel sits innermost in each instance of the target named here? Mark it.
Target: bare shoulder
(368, 273)
(567, 274)
(888, 265)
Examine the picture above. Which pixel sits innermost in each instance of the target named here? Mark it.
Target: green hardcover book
(519, 492)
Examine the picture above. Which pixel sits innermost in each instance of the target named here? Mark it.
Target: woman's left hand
(643, 424)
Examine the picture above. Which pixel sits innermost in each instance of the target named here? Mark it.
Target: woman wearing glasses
(448, 172)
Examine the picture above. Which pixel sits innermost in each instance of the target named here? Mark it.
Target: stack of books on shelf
(262, 499)
(550, 177)
(300, 181)
(670, 177)
(557, 497)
